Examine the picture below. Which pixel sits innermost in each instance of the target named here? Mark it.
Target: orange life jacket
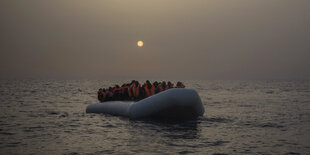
(180, 86)
(100, 92)
(116, 89)
(123, 89)
(130, 90)
(147, 91)
(103, 95)
(110, 93)
(152, 90)
(136, 90)
(160, 86)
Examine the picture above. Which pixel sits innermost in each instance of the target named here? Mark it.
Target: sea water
(241, 117)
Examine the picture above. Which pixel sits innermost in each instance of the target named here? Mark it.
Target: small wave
(218, 119)
(28, 130)
(12, 145)
(102, 152)
(217, 143)
(291, 153)
(52, 112)
(36, 127)
(109, 126)
(186, 152)
(262, 125)
(36, 115)
(269, 92)
(65, 114)
(33, 128)
(271, 125)
(74, 125)
(6, 133)
(246, 105)
(203, 144)
(71, 153)
(215, 102)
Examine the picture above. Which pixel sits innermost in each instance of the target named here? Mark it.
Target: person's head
(155, 83)
(133, 81)
(110, 89)
(100, 89)
(148, 82)
(149, 86)
(103, 90)
(182, 85)
(178, 83)
(169, 83)
(136, 83)
(164, 83)
(117, 86)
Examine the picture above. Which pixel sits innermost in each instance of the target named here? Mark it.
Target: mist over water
(183, 39)
(242, 117)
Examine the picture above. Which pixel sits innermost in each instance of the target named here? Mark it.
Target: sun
(140, 43)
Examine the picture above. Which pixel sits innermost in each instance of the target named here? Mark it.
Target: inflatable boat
(172, 103)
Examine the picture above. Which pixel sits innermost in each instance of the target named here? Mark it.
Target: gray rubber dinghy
(172, 103)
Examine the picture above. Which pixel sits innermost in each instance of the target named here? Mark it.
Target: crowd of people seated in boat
(134, 91)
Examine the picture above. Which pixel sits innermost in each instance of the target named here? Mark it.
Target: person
(147, 89)
(101, 95)
(180, 85)
(124, 89)
(170, 85)
(117, 93)
(163, 86)
(110, 94)
(147, 82)
(136, 90)
(156, 87)
(132, 90)
(141, 92)
(152, 90)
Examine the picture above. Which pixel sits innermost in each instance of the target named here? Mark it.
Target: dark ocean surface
(241, 117)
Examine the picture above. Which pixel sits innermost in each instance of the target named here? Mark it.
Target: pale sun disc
(140, 43)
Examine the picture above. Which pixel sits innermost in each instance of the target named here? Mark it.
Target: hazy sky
(183, 39)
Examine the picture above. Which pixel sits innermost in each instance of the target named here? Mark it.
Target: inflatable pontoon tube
(172, 103)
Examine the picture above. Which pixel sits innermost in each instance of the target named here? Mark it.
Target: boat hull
(172, 103)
